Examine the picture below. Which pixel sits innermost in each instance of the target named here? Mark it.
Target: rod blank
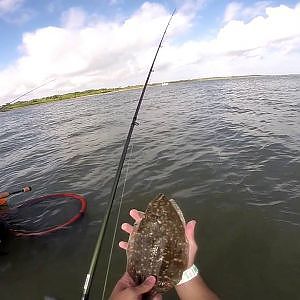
(90, 275)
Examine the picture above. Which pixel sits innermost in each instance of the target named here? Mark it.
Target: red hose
(76, 217)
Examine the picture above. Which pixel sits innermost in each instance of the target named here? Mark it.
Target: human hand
(126, 289)
(26, 189)
(189, 232)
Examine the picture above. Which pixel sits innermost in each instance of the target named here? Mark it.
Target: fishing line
(90, 274)
(2, 107)
(117, 224)
(28, 92)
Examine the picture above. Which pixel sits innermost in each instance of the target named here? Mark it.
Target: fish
(158, 245)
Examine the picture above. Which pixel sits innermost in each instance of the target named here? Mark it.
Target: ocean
(227, 150)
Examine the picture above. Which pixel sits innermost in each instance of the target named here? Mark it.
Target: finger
(127, 228)
(128, 280)
(190, 231)
(124, 282)
(157, 297)
(123, 245)
(145, 287)
(136, 215)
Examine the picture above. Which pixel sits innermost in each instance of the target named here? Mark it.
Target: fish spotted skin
(158, 245)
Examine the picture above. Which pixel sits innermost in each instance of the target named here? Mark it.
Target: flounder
(158, 245)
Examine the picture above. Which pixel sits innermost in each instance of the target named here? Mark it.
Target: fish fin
(178, 210)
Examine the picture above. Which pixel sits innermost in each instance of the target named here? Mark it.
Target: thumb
(146, 286)
(190, 234)
(190, 231)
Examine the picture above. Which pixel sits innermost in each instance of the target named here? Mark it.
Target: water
(226, 150)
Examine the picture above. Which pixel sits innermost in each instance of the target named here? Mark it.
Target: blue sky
(92, 44)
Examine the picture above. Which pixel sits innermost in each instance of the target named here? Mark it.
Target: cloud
(260, 46)
(189, 7)
(258, 9)
(92, 52)
(231, 11)
(12, 11)
(114, 2)
(88, 54)
(260, 31)
(239, 11)
(9, 6)
(75, 17)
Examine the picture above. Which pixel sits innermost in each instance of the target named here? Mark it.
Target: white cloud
(8, 6)
(13, 12)
(189, 7)
(91, 52)
(231, 11)
(113, 2)
(239, 11)
(261, 46)
(258, 9)
(75, 17)
(91, 55)
(260, 31)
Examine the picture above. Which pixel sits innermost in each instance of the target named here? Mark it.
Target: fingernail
(150, 280)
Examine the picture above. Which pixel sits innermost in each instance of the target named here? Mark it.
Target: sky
(76, 45)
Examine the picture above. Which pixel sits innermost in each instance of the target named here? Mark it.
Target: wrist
(188, 274)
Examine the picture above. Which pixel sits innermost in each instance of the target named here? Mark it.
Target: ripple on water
(227, 150)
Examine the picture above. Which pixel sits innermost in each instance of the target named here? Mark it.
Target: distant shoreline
(62, 97)
(74, 95)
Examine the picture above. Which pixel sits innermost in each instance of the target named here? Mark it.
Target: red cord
(30, 202)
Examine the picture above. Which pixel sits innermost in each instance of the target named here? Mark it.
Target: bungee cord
(90, 274)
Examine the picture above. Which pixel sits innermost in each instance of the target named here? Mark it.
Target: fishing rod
(90, 274)
(23, 190)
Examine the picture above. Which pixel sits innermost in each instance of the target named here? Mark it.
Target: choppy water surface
(226, 150)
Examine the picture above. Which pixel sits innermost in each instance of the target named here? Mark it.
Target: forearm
(195, 289)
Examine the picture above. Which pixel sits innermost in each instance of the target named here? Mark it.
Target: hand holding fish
(189, 231)
(196, 289)
(126, 289)
(162, 244)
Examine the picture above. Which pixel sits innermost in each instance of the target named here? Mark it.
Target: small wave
(272, 203)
